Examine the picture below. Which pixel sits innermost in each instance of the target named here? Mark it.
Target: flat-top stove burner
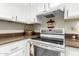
(60, 42)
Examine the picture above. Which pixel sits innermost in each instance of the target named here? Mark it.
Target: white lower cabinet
(19, 53)
(70, 51)
(18, 48)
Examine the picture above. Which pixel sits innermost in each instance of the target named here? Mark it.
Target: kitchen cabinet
(27, 48)
(50, 5)
(19, 10)
(6, 11)
(13, 12)
(61, 7)
(71, 10)
(34, 9)
(71, 51)
(18, 53)
(22, 12)
(15, 48)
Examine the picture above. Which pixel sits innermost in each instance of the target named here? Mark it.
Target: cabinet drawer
(12, 47)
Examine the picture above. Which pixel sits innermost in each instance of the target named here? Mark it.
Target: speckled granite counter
(13, 39)
(72, 43)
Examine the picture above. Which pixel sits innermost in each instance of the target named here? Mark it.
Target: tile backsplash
(71, 27)
(7, 27)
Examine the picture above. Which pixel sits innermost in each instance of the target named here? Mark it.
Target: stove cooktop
(54, 40)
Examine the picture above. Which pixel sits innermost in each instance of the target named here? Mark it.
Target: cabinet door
(15, 47)
(11, 10)
(12, 47)
(18, 53)
(70, 51)
(27, 48)
(6, 11)
(71, 10)
(35, 8)
(25, 51)
(19, 10)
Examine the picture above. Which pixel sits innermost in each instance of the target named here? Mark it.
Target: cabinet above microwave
(71, 11)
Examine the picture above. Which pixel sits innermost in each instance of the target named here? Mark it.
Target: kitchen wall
(8, 27)
(58, 19)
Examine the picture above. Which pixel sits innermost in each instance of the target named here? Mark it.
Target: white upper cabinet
(6, 11)
(50, 5)
(34, 10)
(22, 12)
(19, 10)
(71, 11)
(13, 11)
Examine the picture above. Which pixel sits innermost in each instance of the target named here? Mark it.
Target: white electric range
(50, 43)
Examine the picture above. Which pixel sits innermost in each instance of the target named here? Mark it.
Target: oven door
(40, 48)
(39, 51)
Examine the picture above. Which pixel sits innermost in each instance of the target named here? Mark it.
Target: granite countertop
(72, 43)
(13, 39)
